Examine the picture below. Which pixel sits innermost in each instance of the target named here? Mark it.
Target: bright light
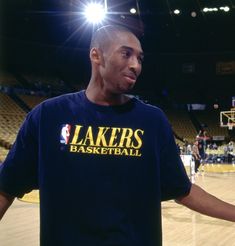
(95, 13)
(133, 10)
(177, 11)
(193, 14)
(226, 9)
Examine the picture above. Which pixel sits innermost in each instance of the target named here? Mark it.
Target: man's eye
(140, 59)
(126, 53)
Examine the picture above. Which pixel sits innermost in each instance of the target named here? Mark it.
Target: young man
(110, 157)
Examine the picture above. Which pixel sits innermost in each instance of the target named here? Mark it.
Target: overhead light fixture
(226, 9)
(133, 11)
(95, 13)
(193, 14)
(210, 9)
(176, 11)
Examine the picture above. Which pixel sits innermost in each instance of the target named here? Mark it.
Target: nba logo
(65, 133)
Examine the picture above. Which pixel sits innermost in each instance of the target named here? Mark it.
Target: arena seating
(31, 100)
(3, 153)
(7, 79)
(47, 83)
(181, 124)
(11, 117)
(8, 106)
(211, 118)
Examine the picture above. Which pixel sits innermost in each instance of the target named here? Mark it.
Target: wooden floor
(181, 226)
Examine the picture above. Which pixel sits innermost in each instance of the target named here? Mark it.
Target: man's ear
(96, 56)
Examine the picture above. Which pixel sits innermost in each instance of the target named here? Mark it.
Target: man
(119, 162)
(196, 156)
(202, 139)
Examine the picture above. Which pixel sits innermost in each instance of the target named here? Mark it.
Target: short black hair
(102, 36)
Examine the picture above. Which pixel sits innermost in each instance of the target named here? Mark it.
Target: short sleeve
(18, 173)
(174, 180)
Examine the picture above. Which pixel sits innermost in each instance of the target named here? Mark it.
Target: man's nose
(135, 65)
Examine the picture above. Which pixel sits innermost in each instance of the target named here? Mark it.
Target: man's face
(122, 63)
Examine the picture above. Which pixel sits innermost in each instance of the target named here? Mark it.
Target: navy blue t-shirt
(102, 171)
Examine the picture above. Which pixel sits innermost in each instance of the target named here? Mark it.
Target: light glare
(133, 10)
(177, 11)
(225, 9)
(95, 13)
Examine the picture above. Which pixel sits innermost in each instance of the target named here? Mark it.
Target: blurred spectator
(230, 147)
(202, 139)
(215, 147)
(196, 156)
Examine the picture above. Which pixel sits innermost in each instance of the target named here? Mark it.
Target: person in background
(202, 139)
(196, 156)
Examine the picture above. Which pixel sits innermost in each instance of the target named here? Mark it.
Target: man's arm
(5, 202)
(203, 202)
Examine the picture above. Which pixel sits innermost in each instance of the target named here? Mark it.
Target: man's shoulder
(149, 108)
(58, 104)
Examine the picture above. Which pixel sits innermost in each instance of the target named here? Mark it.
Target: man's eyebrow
(141, 53)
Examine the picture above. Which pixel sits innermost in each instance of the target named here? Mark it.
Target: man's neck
(103, 98)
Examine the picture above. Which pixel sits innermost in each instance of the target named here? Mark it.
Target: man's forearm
(5, 202)
(205, 203)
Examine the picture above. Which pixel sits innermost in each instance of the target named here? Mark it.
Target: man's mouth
(130, 78)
